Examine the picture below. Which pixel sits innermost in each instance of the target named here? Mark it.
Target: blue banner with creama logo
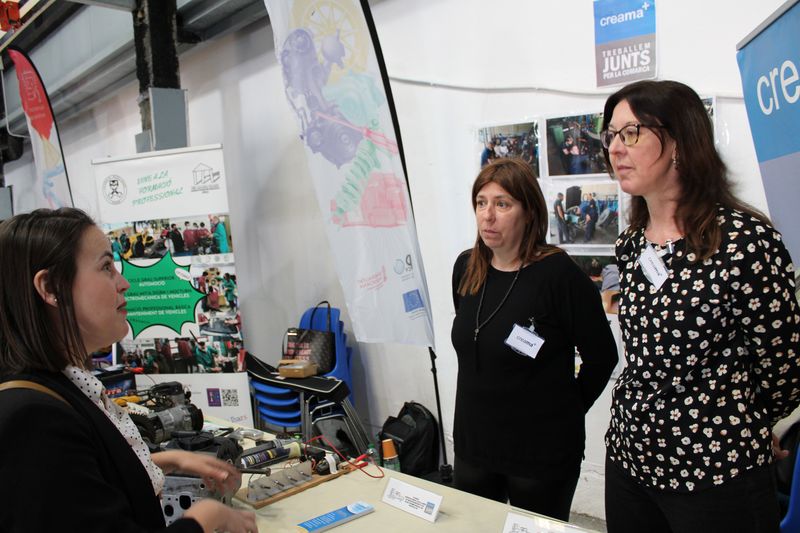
(770, 69)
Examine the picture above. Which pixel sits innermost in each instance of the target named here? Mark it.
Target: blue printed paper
(625, 41)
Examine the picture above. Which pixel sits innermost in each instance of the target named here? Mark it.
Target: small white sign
(524, 341)
(653, 267)
(517, 523)
(411, 499)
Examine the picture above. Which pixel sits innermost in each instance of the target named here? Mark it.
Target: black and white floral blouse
(713, 358)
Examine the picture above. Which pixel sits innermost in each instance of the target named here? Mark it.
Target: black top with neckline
(523, 416)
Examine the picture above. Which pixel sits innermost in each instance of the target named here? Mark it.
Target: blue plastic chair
(791, 522)
(279, 407)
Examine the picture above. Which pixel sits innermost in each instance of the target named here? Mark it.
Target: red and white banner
(52, 184)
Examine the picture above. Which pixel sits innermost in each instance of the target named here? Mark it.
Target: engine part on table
(158, 426)
(247, 433)
(278, 480)
(180, 492)
(223, 448)
(169, 410)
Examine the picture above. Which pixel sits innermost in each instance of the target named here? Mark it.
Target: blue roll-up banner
(625, 41)
(770, 68)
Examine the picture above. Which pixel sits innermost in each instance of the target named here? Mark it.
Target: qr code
(230, 398)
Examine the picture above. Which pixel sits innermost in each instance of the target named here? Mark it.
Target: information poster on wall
(625, 41)
(165, 215)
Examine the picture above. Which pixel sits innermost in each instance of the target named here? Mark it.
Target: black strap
(311, 321)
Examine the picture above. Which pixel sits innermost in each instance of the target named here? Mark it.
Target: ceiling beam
(124, 5)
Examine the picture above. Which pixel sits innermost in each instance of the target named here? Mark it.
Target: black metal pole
(445, 470)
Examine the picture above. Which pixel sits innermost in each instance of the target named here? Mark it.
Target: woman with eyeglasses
(710, 325)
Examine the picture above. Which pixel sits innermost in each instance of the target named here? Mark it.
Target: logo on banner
(625, 41)
(412, 301)
(205, 178)
(404, 268)
(114, 189)
(625, 17)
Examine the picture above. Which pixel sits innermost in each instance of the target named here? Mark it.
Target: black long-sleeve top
(66, 467)
(713, 358)
(514, 414)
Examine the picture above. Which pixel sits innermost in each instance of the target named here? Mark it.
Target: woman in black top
(62, 298)
(710, 325)
(519, 419)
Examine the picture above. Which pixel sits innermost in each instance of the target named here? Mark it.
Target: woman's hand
(215, 516)
(777, 452)
(217, 475)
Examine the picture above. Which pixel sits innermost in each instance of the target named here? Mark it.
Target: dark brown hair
(702, 174)
(30, 242)
(517, 178)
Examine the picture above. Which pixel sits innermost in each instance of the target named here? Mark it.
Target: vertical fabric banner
(770, 70)
(625, 41)
(334, 84)
(52, 183)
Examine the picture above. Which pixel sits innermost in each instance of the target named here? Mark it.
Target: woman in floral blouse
(710, 324)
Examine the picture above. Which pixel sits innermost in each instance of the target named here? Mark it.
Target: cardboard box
(295, 368)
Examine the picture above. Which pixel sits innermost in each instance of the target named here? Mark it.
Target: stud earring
(675, 160)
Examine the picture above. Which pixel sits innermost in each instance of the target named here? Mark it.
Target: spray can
(390, 459)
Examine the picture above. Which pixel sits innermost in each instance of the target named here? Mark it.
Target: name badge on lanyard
(524, 341)
(653, 267)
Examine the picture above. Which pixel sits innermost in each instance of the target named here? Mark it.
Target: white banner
(181, 182)
(334, 86)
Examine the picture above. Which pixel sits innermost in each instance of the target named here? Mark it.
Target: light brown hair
(518, 179)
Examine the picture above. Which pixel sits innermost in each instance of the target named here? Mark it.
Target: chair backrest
(341, 368)
(791, 522)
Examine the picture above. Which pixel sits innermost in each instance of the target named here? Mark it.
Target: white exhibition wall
(455, 65)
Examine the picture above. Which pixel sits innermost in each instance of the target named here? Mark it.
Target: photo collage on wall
(213, 324)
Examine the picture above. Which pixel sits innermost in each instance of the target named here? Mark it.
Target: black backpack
(415, 433)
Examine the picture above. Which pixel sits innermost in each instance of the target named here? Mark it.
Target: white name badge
(413, 500)
(524, 341)
(653, 267)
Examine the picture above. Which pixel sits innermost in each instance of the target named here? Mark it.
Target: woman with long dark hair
(70, 459)
(710, 324)
(522, 307)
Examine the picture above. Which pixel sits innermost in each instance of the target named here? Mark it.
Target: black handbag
(313, 345)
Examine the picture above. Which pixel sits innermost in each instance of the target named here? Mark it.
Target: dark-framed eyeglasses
(629, 134)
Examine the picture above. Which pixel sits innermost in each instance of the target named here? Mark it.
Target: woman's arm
(218, 475)
(593, 337)
(761, 280)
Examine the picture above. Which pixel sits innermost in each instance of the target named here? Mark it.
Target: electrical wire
(357, 466)
(528, 89)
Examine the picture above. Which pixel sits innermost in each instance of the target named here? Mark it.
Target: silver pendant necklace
(478, 323)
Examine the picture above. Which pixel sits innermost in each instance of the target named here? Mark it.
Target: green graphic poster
(160, 294)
